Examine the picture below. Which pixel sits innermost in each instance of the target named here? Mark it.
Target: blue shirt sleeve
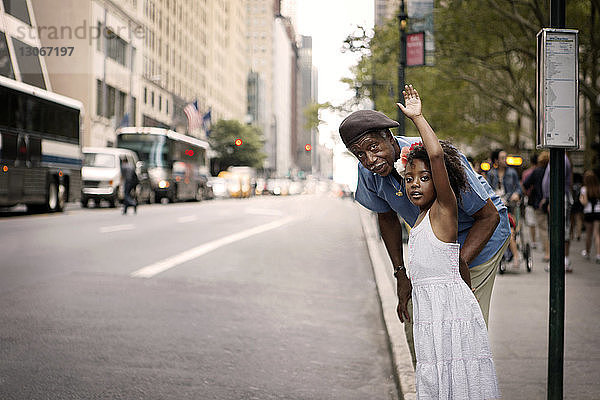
(366, 194)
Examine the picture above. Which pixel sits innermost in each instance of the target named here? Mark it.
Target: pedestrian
(483, 229)
(568, 196)
(130, 181)
(536, 199)
(505, 182)
(454, 359)
(529, 208)
(577, 209)
(590, 199)
(503, 178)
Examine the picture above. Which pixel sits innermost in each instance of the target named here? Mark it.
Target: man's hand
(403, 289)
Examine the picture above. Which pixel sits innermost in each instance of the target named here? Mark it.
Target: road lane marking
(262, 211)
(189, 218)
(168, 263)
(117, 228)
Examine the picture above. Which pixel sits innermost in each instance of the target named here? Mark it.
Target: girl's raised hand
(412, 108)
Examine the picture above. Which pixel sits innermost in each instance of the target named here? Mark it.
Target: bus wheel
(198, 196)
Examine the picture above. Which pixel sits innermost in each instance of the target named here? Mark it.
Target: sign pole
(402, 21)
(557, 249)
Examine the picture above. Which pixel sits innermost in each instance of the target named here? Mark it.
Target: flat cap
(355, 125)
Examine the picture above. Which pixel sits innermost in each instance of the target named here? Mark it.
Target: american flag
(193, 116)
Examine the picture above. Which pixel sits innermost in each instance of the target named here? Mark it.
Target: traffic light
(238, 142)
(308, 147)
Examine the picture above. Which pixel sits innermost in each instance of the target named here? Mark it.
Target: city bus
(178, 165)
(40, 150)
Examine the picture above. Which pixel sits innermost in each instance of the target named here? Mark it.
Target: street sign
(415, 49)
(557, 102)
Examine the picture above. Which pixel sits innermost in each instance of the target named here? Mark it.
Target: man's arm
(486, 221)
(391, 233)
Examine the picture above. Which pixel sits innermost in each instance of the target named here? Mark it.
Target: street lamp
(402, 24)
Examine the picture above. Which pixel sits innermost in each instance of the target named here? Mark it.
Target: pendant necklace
(398, 190)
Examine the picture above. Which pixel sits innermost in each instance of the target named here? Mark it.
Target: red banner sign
(415, 49)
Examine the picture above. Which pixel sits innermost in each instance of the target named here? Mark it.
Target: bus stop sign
(557, 82)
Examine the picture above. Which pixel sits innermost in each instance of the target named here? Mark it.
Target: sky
(329, 22)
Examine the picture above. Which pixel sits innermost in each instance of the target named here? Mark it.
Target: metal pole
(557, 249)
(402, 17)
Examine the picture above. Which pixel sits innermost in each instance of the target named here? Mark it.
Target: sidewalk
(518, 324)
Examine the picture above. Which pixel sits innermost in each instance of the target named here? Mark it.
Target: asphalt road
(266, 298)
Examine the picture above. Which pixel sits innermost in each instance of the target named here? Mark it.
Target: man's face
(375, 152)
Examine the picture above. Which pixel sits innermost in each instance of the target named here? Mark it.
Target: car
(101, 176)
(218, 187)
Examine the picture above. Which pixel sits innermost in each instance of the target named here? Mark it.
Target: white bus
(40, 151)
(178, 165)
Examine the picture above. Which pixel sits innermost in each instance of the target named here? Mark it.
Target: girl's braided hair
(456, 172)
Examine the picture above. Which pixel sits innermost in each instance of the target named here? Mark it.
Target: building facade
(140, 62)
(18, 39)
(307, 93)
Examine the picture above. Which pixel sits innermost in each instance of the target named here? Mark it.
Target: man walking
(482, 217)
(130, 182)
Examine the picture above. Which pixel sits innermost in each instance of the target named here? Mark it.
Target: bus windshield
(152, 149)
(98, 160)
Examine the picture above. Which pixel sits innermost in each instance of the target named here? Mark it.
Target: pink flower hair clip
(400, 165)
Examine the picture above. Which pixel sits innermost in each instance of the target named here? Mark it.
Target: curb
(401, 360)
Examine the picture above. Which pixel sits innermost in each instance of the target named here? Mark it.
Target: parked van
(101, 175)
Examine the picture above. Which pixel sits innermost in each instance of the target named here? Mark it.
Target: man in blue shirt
(483, 228)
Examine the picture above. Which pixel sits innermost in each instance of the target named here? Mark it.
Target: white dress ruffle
(454, 360)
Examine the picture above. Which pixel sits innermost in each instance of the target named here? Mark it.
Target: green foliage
(222, 140)
(482, 86)
(311, 115)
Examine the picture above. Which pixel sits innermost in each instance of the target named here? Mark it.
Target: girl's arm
(445, 194)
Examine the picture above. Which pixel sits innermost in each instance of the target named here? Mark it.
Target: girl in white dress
(454, 360)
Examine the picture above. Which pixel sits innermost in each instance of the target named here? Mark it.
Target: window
(27, 112)
(116, 47)
(145, 95)
(9, 146)
(111, 100)
(111, 94)
(121, 106)
(152, 99)
(29, 64)
(6, 68)
(18, 9)
(99, 98)
(133, 111)
(159, 103)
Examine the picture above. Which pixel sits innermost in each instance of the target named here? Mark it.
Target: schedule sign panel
(557, 89)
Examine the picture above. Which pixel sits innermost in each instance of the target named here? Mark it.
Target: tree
(482, 87)
(311, 115)
(223, 141)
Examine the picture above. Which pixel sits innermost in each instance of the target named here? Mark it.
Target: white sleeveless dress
(454, 360)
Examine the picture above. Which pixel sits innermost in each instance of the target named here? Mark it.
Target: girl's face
(419, 184)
